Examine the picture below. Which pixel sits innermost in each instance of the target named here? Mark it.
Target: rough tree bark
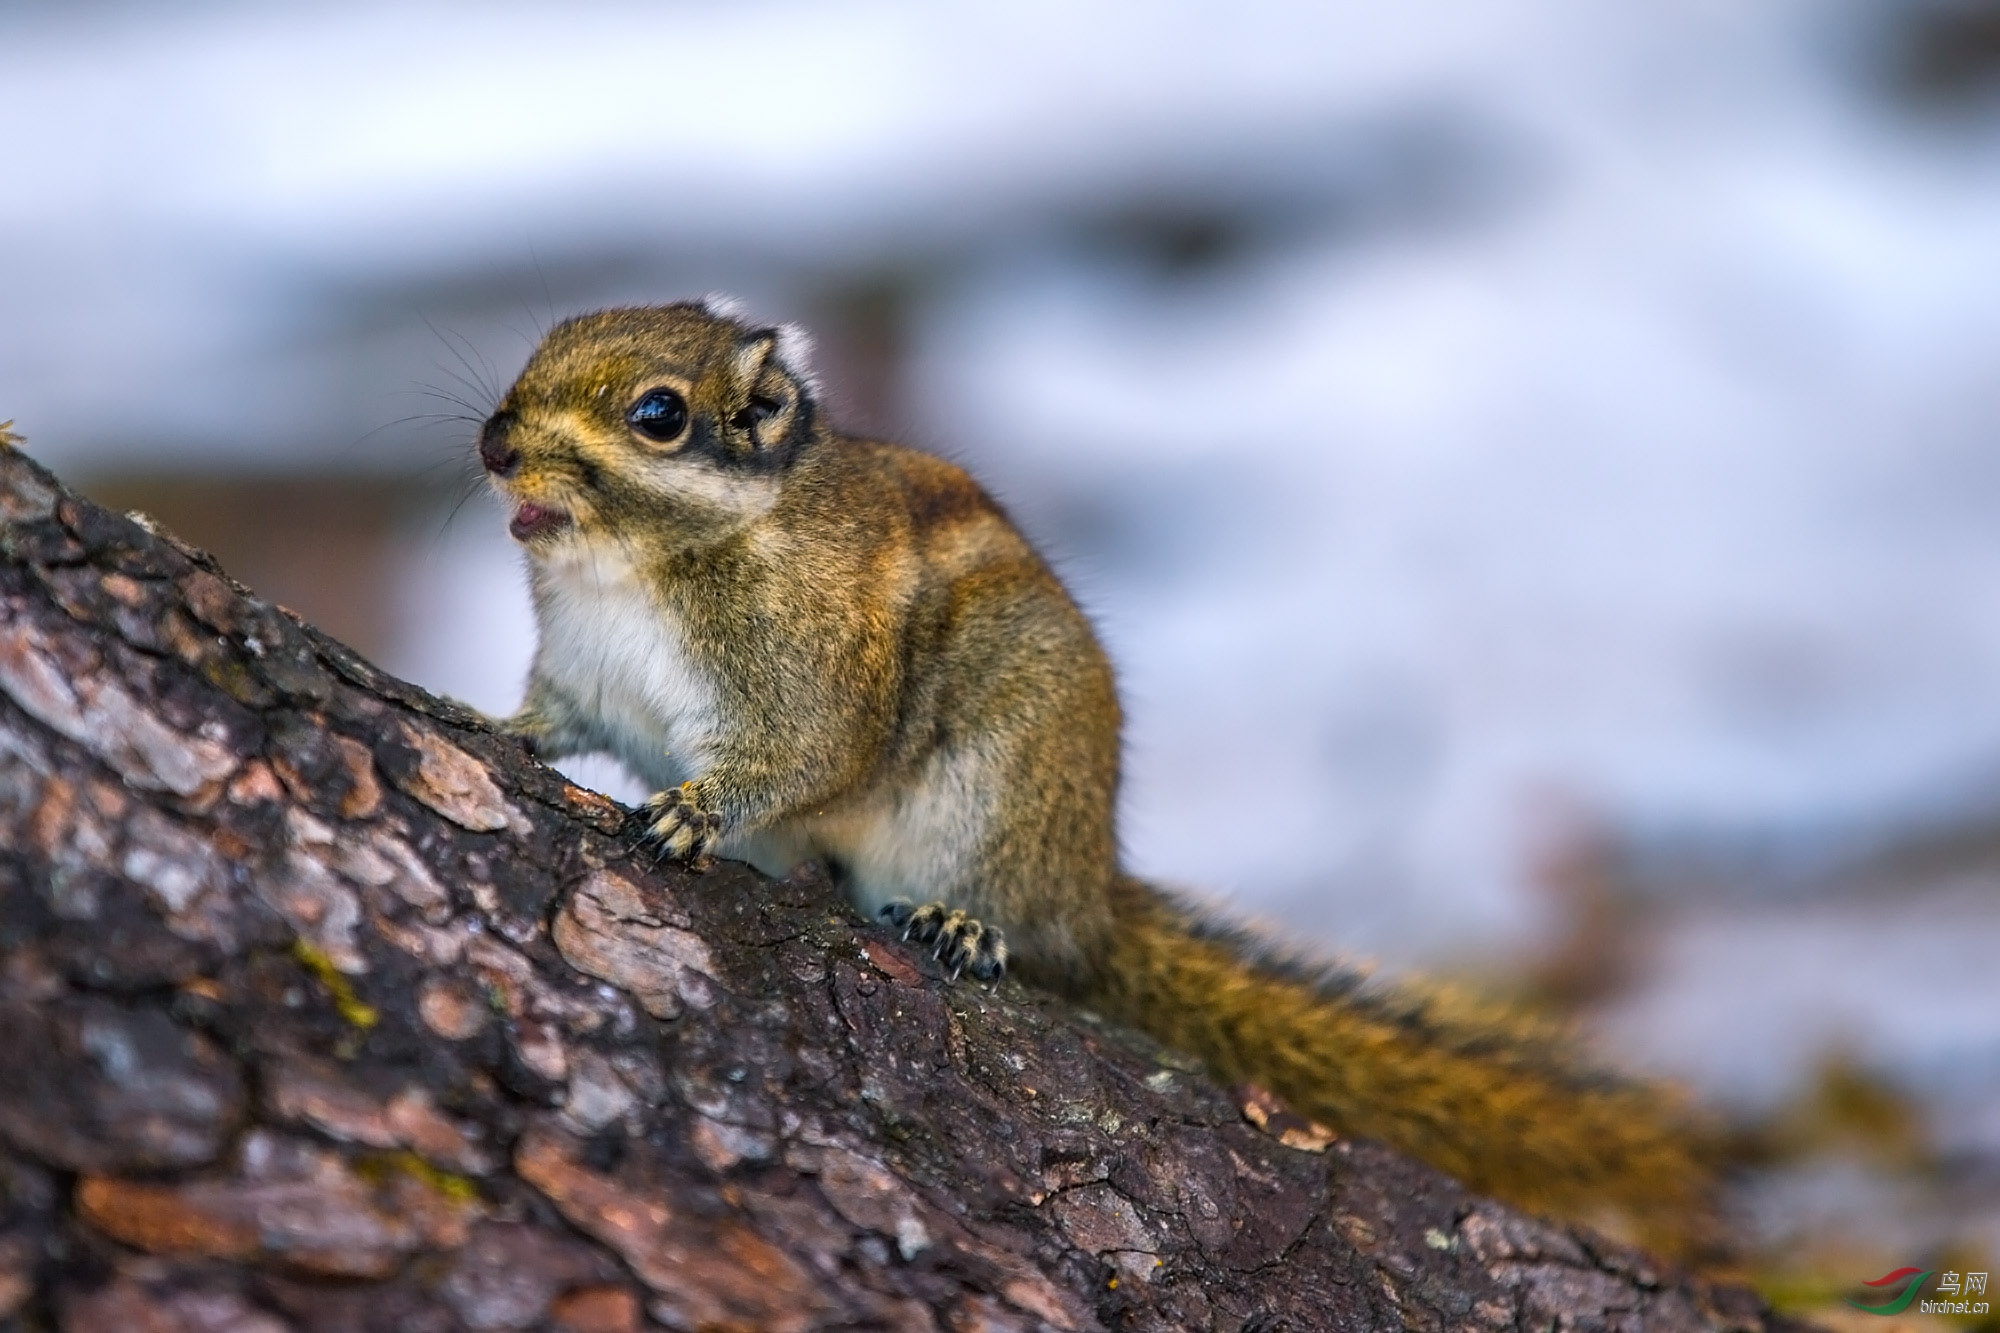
(321, 1007)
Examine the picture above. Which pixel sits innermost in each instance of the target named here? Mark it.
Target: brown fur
(870, 665)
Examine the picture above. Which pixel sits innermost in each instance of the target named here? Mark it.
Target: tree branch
(325, 1008)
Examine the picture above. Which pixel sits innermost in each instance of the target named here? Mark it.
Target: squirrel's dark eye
(661, 415)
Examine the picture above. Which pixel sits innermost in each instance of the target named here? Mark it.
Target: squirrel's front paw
(962, 944)
(528, 727)
(680, 825)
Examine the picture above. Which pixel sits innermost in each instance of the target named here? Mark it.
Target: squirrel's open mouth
(533, 520)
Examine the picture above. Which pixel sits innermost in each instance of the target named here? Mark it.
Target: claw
(958, 942)
(679, 828)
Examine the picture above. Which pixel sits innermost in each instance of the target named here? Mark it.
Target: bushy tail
(1495, 1098)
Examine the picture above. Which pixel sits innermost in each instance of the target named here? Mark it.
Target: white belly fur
(621, 658)
(912, 843)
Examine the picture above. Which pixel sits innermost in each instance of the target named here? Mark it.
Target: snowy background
(1495, 438)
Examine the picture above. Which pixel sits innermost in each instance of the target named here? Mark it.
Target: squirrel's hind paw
(962, 944)
(679, 826)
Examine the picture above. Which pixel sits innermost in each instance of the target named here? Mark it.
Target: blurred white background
(1536, 463)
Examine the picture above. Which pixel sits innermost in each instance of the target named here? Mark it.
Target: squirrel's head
(677, 421)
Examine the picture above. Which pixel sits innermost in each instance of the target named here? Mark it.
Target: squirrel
(822, 647)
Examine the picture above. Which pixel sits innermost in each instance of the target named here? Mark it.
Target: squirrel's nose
(499, 457)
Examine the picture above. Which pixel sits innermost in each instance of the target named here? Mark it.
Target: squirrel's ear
(771, 366)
